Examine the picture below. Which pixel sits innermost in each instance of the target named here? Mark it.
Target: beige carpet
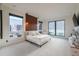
(55, 47)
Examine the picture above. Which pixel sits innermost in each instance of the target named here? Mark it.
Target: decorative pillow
(27, 33)
(37, 33)
(32, 33)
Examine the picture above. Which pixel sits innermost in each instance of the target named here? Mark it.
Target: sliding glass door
(60, 28)
(52, 28)
(56, 28)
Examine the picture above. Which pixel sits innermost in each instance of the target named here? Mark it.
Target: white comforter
(38, 39)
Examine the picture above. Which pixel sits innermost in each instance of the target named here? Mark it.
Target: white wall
(68, 24)
(54, 12)
(77, 9)
(6, 10)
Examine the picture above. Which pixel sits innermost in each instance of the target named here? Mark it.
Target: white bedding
(38, 39)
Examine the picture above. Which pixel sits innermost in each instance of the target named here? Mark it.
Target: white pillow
(32, 33)
(26, 33)
(37, 33)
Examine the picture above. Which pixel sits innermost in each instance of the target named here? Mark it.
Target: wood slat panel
(31, 23)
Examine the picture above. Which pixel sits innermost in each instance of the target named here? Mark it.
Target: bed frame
(35, 43)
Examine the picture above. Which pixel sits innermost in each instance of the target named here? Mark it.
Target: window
(15, 23)
(40, 26)
(56, 28)
(60, 28)
(52, 28)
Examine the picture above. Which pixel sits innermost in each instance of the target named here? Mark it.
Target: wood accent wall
(31, 23)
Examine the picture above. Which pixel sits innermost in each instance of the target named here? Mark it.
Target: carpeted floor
(55, 47)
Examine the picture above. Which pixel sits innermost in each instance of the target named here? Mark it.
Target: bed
(37, 38)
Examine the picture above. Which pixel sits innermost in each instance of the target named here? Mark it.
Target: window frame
(55, 27)
(10, 14)
(1, 24)
(40, 26)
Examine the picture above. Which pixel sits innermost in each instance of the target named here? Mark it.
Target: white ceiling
(44, 10)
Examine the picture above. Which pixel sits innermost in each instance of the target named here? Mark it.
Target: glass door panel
(60, 28)
(52, 28)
